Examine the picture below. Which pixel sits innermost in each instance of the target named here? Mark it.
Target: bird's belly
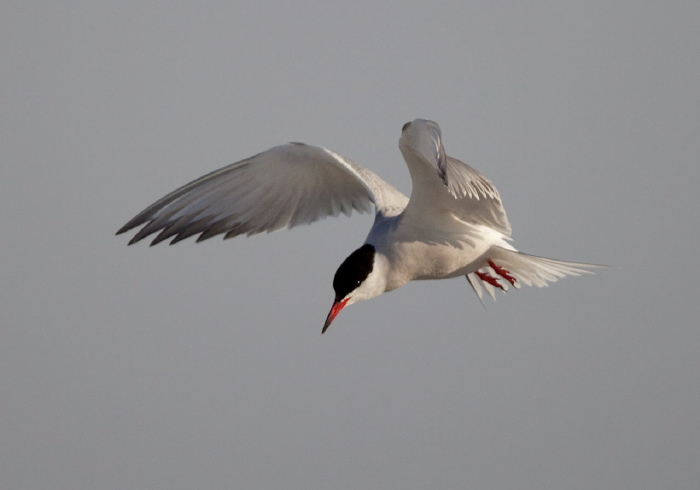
(454, 248)
(414, 261)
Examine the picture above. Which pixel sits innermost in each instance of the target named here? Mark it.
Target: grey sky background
(202, 366)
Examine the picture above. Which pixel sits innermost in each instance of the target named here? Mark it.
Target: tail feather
(476, 285)
(528, 269)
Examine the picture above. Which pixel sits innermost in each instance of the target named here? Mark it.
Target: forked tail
(503, 268)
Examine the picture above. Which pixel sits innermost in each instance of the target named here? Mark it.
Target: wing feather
(475, 195)
(443, 182)
(282, 187)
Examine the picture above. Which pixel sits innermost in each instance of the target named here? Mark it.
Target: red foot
(504, 273)
(491, 280)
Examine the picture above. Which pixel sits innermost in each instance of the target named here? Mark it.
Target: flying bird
(454, 223)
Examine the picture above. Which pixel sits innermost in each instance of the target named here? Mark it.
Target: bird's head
(356, 279)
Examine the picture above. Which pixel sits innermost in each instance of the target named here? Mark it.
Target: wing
(440, 181)
(282, 187)
(476, 196)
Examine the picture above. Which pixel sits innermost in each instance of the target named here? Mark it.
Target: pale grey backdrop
(202, 366)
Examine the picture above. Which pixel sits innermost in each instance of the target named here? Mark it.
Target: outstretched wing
(282, 187)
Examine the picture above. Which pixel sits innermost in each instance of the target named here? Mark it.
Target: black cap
(353, 271)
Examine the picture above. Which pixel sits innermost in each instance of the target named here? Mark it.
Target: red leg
(491, 280)
(504, 273)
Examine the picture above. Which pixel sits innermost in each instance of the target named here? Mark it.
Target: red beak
(335, 309)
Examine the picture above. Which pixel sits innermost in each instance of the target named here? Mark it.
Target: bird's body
(453, 224)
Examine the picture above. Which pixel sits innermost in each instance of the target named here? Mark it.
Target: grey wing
(454, 185)
(475, 194)
(282, 187)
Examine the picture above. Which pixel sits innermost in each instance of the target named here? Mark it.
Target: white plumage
(453, 224)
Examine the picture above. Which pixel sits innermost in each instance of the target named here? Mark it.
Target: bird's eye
(405, 126)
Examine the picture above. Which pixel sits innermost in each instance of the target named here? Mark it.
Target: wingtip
(133, 240)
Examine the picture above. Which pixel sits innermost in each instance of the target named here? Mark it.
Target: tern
(454, 223)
